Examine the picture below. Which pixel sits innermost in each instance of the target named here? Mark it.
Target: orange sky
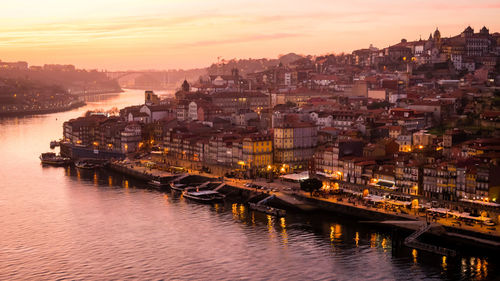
(165, 34)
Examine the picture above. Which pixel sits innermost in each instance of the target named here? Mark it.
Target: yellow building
(258, 151)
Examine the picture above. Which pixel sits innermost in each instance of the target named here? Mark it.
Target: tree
(310, 185)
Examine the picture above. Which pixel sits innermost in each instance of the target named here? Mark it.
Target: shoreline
(302, 202)
(23, 113)
(74, 105)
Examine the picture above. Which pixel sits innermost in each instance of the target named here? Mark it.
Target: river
(59, 223)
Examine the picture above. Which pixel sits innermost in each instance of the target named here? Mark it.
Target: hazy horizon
(153, 34)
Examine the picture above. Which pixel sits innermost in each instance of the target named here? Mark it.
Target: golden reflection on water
(270, 225)
(357, 239)
(96, 179)
(444, 265)
(384, 244)
(475, 266)
(414, 254)
(335, 232)
(284, 235)
(217, 207)
(253, 218)
(125, 184)
(234, 209)
(68, 171)
(239, 212)
(242, 212)
(78, 175)
(110, 181)
(373, 240)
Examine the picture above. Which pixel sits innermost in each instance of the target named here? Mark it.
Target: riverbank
(20, 113)
(300, 201)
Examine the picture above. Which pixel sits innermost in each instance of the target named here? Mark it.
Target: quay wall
(130, 172)
(74, 152)
(353, 211)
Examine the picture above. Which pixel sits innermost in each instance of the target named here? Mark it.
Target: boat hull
(204, 200)
(268, 210)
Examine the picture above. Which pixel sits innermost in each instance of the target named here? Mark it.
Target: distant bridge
(143, 79)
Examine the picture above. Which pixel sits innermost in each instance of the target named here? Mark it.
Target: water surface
(60, 223)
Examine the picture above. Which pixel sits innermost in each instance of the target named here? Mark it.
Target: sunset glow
(146, 34)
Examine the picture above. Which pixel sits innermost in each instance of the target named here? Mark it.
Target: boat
(85, 165)
(89, 163)
(177, 186)
(204, 196)
(160, 181)
(267, 209)
(50, 158)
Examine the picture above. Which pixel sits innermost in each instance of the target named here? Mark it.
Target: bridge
(144, 79)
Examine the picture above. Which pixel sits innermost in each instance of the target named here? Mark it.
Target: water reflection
(284, 235)
(75, 231)
(444, 265)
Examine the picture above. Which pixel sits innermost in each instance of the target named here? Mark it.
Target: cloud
(241, 39)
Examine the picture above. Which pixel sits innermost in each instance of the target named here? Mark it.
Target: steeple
(185, 86)
(437, 35)
(484, 31)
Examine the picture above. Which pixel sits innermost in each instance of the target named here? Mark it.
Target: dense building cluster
(420, 117)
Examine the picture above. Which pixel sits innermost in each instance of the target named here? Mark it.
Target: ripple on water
(58, 224)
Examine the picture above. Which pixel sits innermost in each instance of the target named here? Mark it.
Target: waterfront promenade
(290, 192)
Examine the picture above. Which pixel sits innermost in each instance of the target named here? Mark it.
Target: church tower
(185, 86)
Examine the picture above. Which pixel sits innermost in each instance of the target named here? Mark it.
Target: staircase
(411, 241)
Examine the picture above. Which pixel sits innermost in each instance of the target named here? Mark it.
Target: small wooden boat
(50, 158)
(178, 186)
(85, 165)
(267, 209)
(204, 196)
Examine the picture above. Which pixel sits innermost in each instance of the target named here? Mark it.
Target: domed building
(437, 37)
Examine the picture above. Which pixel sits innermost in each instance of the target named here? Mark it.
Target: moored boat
(89, 163)
(85, 165)
(50, 158)
(267, 209)
(204, 196)
(160, 182)
(178, 186)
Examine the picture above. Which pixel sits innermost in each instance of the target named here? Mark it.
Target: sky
(173, 34)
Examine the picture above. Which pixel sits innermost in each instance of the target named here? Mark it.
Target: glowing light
(443, 263)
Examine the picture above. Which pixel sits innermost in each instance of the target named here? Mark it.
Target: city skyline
(118, 35)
